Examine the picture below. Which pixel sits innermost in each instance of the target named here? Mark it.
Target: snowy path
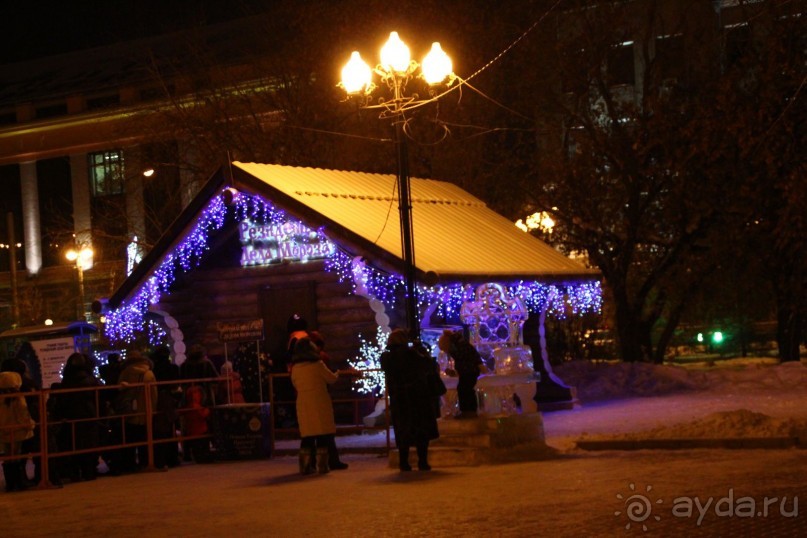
(573, 494)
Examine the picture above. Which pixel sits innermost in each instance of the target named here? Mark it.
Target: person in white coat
(311, 378)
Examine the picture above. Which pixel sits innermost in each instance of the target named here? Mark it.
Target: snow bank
(742, 399)
(596, 381)
(727, 424)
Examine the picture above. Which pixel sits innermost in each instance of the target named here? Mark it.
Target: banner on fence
(52, 354)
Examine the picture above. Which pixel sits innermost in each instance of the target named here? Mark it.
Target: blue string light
(125, 322)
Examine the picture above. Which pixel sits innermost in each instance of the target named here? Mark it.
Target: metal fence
(105, 419)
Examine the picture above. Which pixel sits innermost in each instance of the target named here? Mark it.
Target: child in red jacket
(195, 420)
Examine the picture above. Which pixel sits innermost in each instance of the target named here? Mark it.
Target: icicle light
(123, 323)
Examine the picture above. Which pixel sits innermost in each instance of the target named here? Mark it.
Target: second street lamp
(82, 259)
(396, 69)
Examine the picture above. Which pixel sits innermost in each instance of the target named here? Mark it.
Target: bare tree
(640, 147)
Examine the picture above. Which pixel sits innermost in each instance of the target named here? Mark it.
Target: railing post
(149, 424)
(272, 412)
(44, 464)
(387, 413)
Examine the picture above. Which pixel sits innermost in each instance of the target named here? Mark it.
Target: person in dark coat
(27, 354)
(468, 365)
(132, 404)
(166, 454)
(112, 427)
(79, 410)
(198, 366)
(411, 401)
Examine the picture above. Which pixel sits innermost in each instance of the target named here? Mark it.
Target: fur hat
(448, 339)
(317, 338)
(398, 337)
(10, 380)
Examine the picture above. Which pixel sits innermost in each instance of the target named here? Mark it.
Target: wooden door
(278, 303)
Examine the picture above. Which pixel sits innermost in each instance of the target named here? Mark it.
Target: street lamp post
(82, 258)
(396, 69)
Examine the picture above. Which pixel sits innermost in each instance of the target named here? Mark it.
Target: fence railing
(51, 423)
(103, 417)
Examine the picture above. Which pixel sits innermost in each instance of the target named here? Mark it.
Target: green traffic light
(717, 337)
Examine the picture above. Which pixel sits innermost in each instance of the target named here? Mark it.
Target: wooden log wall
(205, 297)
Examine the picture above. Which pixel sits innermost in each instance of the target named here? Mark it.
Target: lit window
(106, 172)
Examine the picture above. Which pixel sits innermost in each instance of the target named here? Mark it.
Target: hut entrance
(278, 304)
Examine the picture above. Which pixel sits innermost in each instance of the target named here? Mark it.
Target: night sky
(36, 28)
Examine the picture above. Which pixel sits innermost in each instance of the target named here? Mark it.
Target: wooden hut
(263, 242)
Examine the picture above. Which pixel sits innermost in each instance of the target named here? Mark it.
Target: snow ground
(575, 493)
(738, 398)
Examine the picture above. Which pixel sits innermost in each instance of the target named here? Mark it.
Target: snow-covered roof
(454, 233)
(456, 236)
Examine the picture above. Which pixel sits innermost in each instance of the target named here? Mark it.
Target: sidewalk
(574, 493)
(571, 495)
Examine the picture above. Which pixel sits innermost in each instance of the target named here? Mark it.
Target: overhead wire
(457, 87)
(508, 48)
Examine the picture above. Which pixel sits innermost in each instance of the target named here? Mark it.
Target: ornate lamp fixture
(396, 69)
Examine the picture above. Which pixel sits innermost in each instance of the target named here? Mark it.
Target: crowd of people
(94, 412)
(99, 414)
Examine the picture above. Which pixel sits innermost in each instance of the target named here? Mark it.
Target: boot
(322, 460)
(305, 461)
(333, 456)
(54, 479)
(13, 475)
(423, 458)
(403, 458)
(8, 476)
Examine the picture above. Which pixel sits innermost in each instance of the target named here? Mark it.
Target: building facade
(88, 164)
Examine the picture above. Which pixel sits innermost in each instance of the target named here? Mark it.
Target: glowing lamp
(436, 65)
(395, 55)
(356, 75)
(83, 257)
